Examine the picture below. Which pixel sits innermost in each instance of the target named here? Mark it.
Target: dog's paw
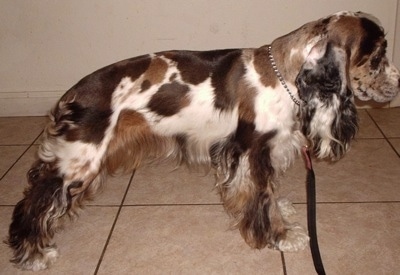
(295, 239)
(286, 207)
(40, 261)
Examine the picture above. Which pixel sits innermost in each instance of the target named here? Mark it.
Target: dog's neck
(281, 78)
(289, 57)
(290, 51)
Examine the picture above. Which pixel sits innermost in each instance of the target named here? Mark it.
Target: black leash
(312, 214)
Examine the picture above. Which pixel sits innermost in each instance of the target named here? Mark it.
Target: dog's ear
(324, 72)
(329, 117)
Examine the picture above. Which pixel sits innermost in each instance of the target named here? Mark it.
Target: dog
(243, 113)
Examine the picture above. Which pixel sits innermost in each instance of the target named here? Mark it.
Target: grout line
(386, 138)
(154, 204)
(394, 149)
(351, 202)
(369, 138)
(113, 225)
(23, 153)
(173, 204)
(220, 204)
(283, 263)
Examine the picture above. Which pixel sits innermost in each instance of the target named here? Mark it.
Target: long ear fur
(329, 117)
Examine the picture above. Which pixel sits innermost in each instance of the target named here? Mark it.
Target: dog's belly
(199, 123)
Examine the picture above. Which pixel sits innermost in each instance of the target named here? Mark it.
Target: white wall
(47, 46)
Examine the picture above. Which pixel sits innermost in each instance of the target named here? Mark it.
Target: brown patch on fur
(35, 217)
(173, 77)
(156, 72)
(289, 64)
(225, 78)
(193, 69)
(83, 111)
(248, 194)
(169, 99)
(153, 75)
(146, 84)
(262, 222)
(133, 143)
(79, 196)
(76, 166)
(246, 97)
(263, 67)
(84, 182)
(236, 194)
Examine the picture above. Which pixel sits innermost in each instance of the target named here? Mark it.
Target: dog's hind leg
(50, 196)
(67, 172)
(35, 219)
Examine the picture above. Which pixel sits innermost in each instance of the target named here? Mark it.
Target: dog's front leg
(247, 186)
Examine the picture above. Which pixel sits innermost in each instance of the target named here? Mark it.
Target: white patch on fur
(311, 44)
(42, 261)
(200, 121)
(393, 73)
(285, 149)
(344, 13)
(275, 111)
(240, 183)
(75, 155)
(367, 16)
(321, 125)
(286, 207)
(296, 239)
(293, 52)
(272, 110)
(273, 106)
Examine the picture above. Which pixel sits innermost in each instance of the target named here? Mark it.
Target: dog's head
(347, 59)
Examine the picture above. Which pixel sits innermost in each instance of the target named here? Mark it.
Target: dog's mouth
(362, 95)
(384, 94)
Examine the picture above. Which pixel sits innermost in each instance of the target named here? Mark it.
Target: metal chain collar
(280, 77)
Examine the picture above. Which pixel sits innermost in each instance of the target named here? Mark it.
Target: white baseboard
(36, 103)
(39, 103)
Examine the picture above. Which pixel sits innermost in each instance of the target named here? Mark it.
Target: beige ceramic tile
(80, 244)
(113, 191)
(163, 184)
(353, 239)
(9, 154)
(369, 172)
(367, 127)
(20, 130)
(387, 120)
(14, 182)
(182, 240)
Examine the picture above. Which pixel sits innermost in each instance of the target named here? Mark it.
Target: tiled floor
(166, 221)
